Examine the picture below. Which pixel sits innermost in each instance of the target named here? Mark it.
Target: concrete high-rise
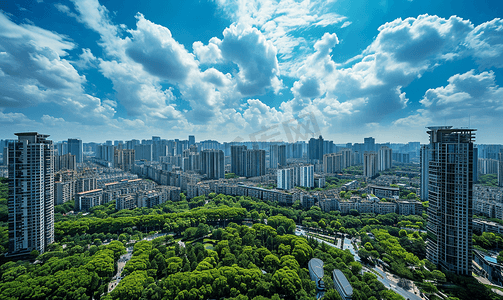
(369, 164)
(315, 149)
(212, 164)
(31, 193)
(332, 163)
(124, 159)
(75, 148)
(384, 158)
(277, 156)
(449, 160)
(369, 144)
(424, 171)
(237, 160)
(254, 162)
(307, 176)
(285, 179)
(500, 169)
(346, 158)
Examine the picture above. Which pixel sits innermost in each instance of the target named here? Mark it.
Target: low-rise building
(85, 200)
(342, 285)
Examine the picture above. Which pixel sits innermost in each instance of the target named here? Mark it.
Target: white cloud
(346, 24)
(154, 48)
(280, 22)
(209, 54)
(13, 118)
(34, 71)
(65, 9)
(486, 41)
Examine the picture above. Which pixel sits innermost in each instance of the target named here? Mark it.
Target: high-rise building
(192, 140)
(315, 149)
(369, 164)
(143, 152)
(369, 144)
(212, 164)
(423, 157)
(332, 162)
(384, 158)
(277, 156)
(285, 178)
(347, 156)
(500, 169)
(449, 159)
(65, 162)
(237, 161)
(254, 162)
(307, 176)
(124, 159)
(31, 193)
(75, 148)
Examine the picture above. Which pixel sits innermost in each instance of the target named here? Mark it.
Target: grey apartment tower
(447, 161)
(31, 193)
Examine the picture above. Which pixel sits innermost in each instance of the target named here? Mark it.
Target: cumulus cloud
(416, 41)
(280, 22)
(467, 98)
(208, 54)
(486, 42)
(466, 94)
(33, 70)
(154, 48)
(255, 56)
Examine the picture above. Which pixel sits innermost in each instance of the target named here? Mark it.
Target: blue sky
(239, 70)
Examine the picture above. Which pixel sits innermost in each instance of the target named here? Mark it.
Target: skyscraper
(332, 162)
(369, 144)
(277, 156)
(424, 171)
(237, 160)
(192, 140)
(31, 193)
(369, 164)
(346, 158)
(212, 163)
(449, 159)
(384, 158)
(75, 148)
(285, 178)
(307, 176)
(315, 149)
(254, 162)
(500, 169)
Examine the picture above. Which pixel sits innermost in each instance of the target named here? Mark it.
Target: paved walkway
(120, 266)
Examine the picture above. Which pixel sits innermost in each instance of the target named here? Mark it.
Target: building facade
(212, 163)
(500, 169)
(384, 158)
(450, 189)
(285, 179)
(369, 164)
(75, 148)
(31, 193)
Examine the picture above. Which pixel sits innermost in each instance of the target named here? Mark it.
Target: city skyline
(121, 69)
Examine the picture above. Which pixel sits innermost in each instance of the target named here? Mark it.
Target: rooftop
(316, 265)
(341, 279)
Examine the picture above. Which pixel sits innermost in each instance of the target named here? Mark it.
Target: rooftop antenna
(469, 121)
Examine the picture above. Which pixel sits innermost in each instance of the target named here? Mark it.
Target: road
(392, 285)
(120, 266)
(124, 259)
